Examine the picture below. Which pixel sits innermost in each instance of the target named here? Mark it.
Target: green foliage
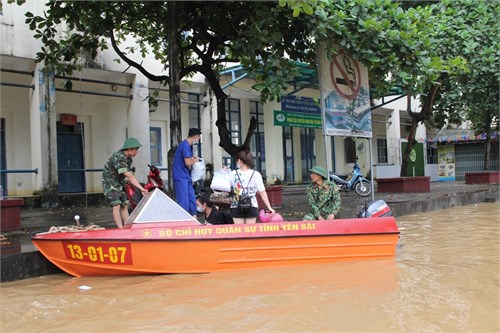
(470, 29)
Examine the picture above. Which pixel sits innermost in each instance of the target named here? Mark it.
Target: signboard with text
(346, 93)
(298, 112)
(293, 119)
(446, 162)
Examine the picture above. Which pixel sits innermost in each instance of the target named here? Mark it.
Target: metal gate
(470, 158)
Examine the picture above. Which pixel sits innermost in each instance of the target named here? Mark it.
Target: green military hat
(131, 143)
(319, 170)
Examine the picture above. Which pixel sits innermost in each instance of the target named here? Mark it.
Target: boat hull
(189, 248)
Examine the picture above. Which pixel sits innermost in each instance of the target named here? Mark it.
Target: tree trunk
(409, 147)
(411, 137)
(221, 123)
(173, 92)
(424, 114)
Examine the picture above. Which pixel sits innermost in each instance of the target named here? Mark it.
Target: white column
(138, 124)
(43, 128)
(212, 138)
(275, 165)
(208, 129)
(393, 137)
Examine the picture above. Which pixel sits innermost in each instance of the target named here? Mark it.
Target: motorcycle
(134, 195)
(358, 183)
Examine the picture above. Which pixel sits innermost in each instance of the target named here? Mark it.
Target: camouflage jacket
(324, 200)
(113, 174)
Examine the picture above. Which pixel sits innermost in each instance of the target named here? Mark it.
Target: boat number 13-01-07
(112, 253)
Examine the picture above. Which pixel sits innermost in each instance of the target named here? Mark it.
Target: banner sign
(295, 119)
(346, 93)
(300, 104)
(298, 112)
(446, 162)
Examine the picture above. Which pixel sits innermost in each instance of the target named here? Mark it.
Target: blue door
(70, 164)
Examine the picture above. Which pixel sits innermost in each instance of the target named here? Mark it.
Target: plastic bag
(198, 171)
(221, 180)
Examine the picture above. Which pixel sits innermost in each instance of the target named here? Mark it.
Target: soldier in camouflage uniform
(322, 195)
(116, 172)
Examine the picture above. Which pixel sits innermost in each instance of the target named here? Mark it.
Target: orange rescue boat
(151, 244)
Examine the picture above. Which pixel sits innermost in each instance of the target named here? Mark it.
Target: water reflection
(445, 278)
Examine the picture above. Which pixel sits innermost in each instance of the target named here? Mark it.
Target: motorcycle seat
(341, 175)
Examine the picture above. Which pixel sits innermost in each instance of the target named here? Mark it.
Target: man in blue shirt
(181, 173)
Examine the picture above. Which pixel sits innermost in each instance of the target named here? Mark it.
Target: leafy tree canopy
(470, 29)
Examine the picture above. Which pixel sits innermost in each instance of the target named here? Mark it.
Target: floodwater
(445, 278)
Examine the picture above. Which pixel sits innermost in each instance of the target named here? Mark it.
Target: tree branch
(134, 64)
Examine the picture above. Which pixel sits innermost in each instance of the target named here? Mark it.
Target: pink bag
(266, 217)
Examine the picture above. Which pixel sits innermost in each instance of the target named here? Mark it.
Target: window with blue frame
(233, 119)
(155, 145)
(258, 145)
(194, 119)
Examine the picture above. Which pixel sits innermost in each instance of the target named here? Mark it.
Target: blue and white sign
(300, 104)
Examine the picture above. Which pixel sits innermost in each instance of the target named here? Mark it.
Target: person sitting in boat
(210, 212)
(248, 181)
(322, 195)
(116, 171)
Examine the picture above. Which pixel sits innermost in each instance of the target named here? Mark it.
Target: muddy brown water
(445, 278)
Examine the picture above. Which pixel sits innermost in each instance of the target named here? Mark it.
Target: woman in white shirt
(245, 179)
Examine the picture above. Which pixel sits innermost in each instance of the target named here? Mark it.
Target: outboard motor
(377, 208)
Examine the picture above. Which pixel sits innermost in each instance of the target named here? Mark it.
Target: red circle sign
(345, 76)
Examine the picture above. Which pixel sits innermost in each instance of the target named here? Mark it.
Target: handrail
(79, 170)
(35, 171)
(20, 171)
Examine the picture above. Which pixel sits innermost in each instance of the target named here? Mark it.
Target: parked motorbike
(134, 195)
(358, 183)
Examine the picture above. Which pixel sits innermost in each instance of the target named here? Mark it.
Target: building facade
(52, 134)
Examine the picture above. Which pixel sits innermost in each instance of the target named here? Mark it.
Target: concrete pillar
(209, 136)
(421, 133)
(275, 166)
(43, 127)
(393, 138)
(212, 138)
(138, 124)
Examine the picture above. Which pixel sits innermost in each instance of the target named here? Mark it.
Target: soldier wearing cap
(322, 195)
(116, 171)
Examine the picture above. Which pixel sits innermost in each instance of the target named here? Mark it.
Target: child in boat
(210, 212)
